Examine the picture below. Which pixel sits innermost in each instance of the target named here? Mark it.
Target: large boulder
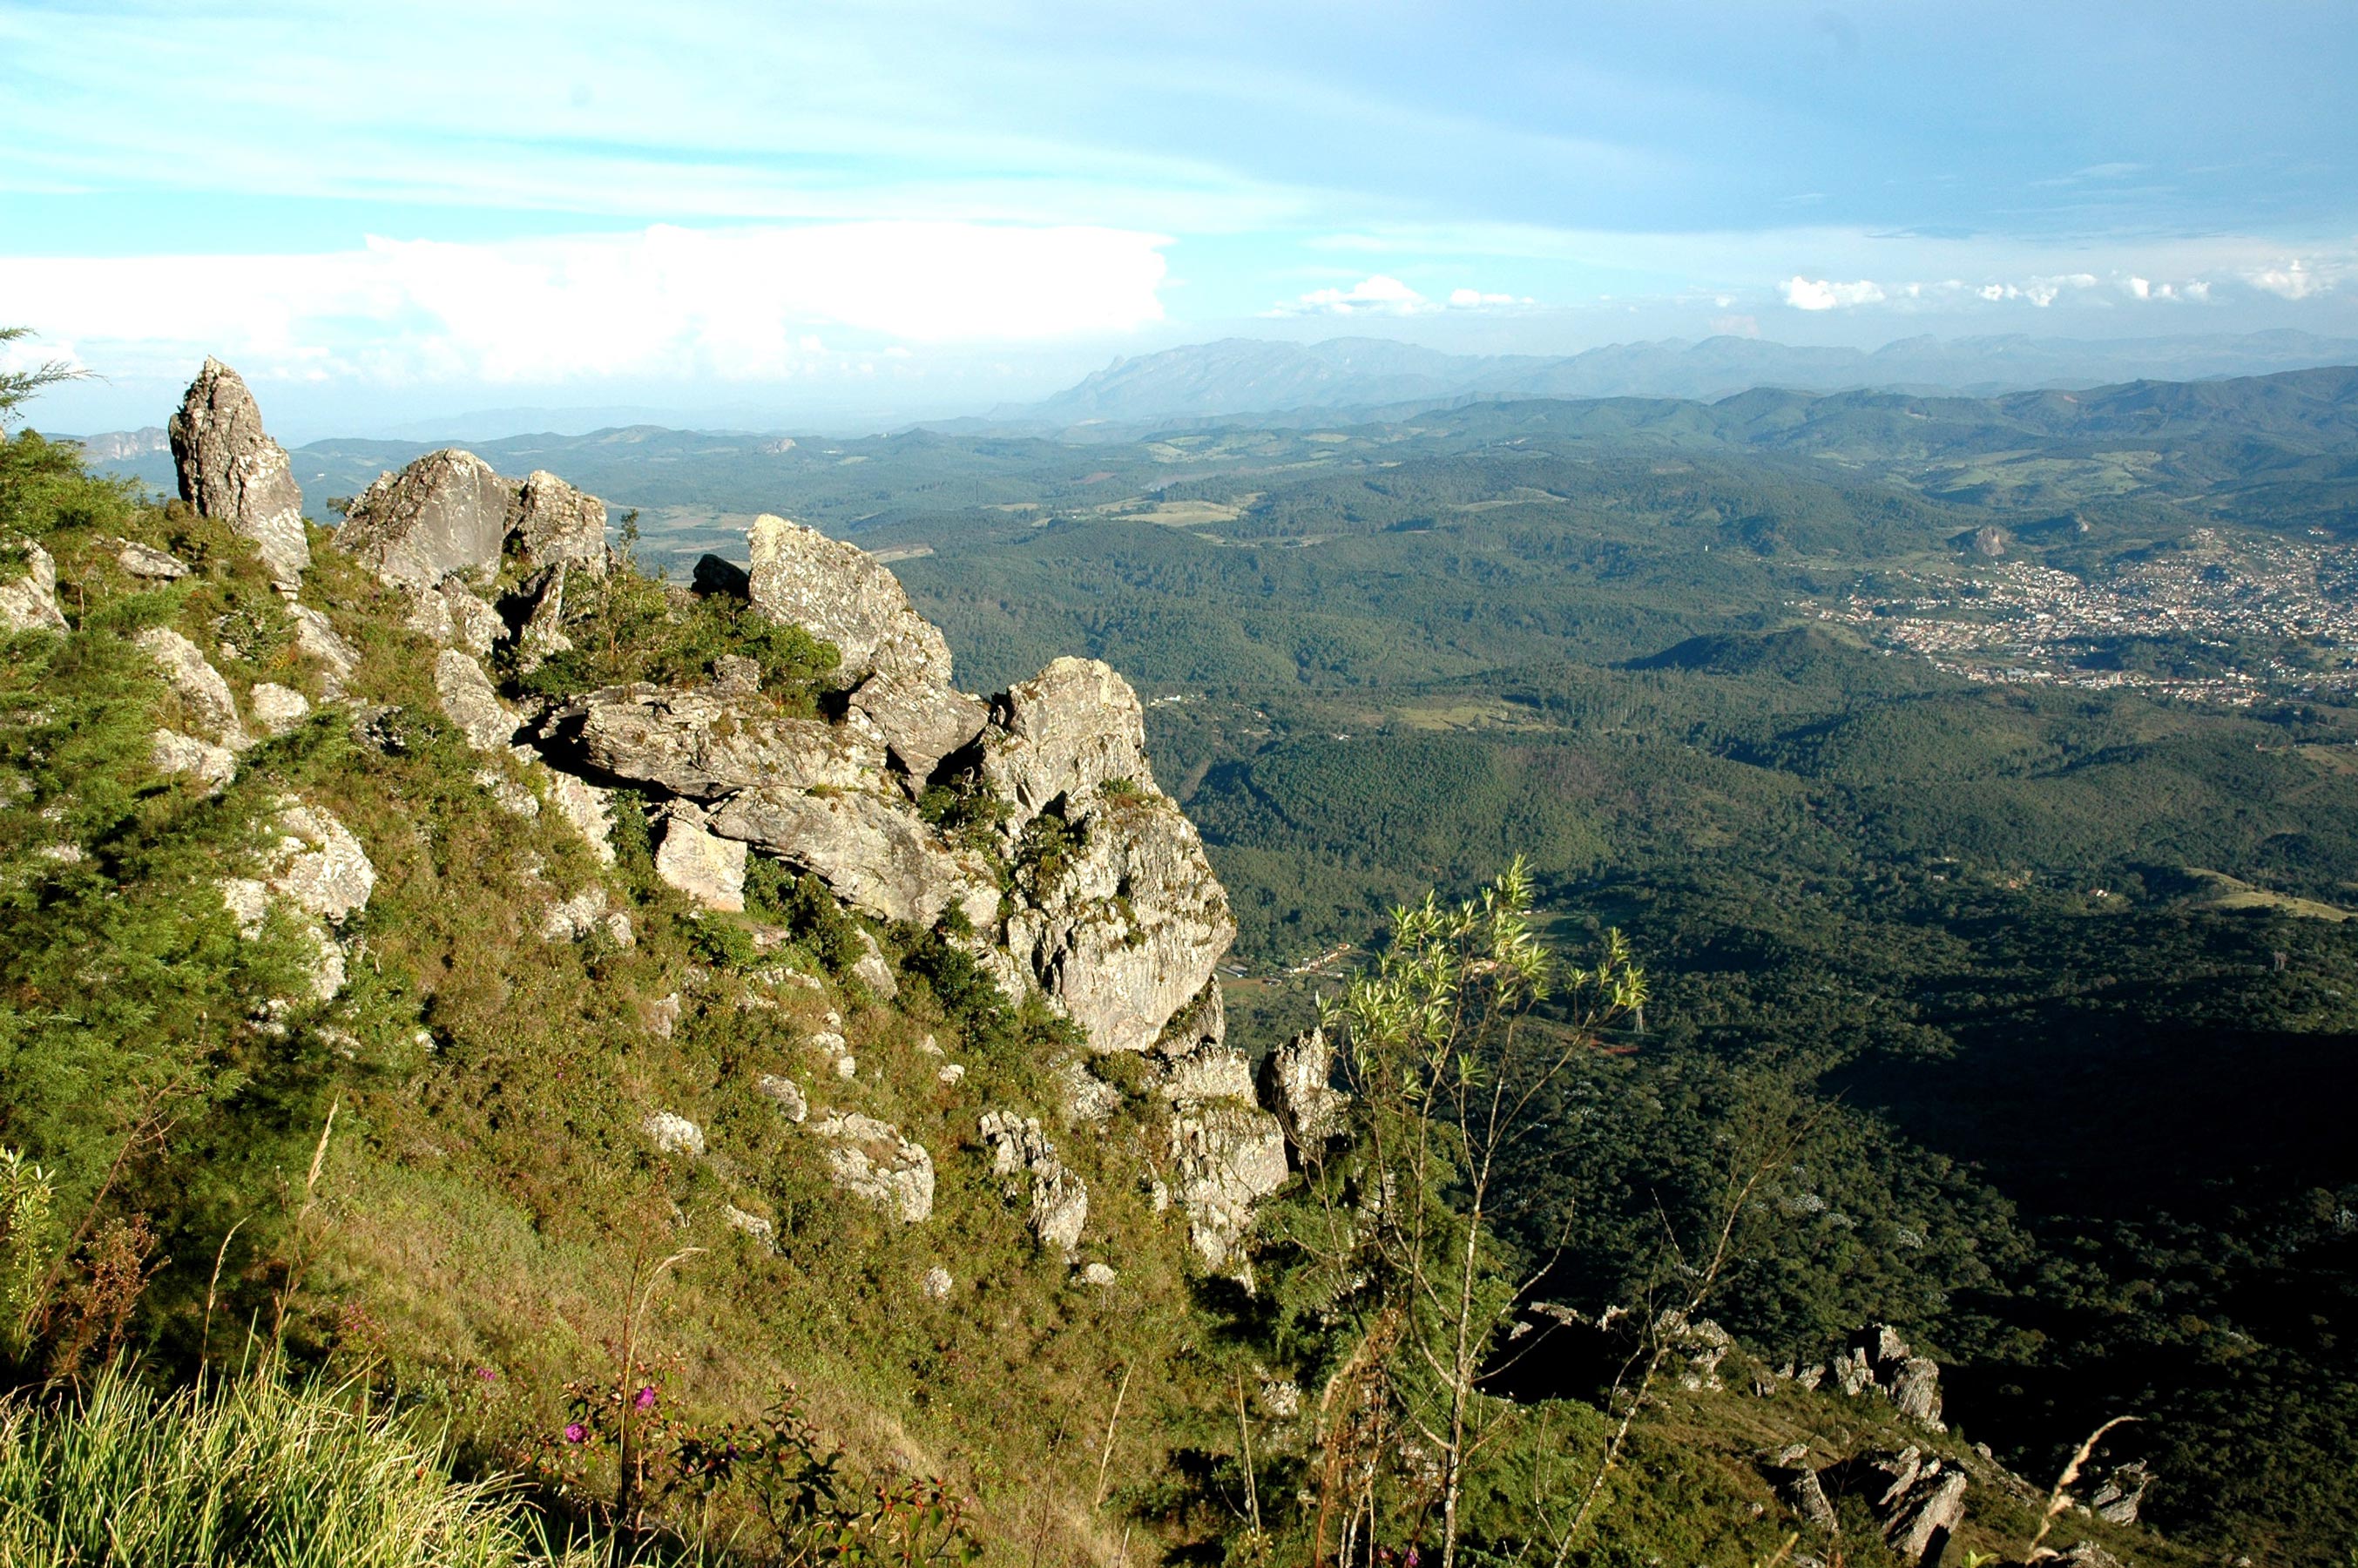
(556, 525)
(446, 512)
(1918, 1500)
(313, 864)
(230, 468)
(872, 852)
(1131, 932)
(205, 700)
(697, 742)
(28, 600)
(840, 593)
(922, 723)
(1073, 727)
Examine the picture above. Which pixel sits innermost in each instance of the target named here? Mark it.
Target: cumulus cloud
(2291, 280)
(743, 303)
(1380, 295)
(1823, 294)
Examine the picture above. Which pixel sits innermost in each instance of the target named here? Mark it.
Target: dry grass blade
(2060, 1498)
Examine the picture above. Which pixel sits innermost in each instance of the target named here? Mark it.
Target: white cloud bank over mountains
(2292, 278)
(742, 304)
(1384, 295)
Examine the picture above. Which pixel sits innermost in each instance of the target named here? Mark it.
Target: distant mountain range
(1247, 376)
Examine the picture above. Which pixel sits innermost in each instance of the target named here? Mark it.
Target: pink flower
(575, 1432)
(486, 1374)
(647, 1400)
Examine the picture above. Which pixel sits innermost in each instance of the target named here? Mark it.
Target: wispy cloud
(733, 304)
(1384, 295)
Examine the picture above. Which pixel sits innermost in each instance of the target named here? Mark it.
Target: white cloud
(1475, 300)
(730, 304)
(1822, 294)
(1380, 295)
(2291, 280)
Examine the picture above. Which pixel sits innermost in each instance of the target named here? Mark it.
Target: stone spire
(231, 469)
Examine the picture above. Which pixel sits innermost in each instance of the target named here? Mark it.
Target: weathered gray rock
(174, 752)
(1226, 1156)
(150, 563)
(787, 1093)
(316, 637)
(871, 969)
(28, 600)
(1088, 1097)
(1806, 1496)
(278, 708)
(838, 592)
(873, 853)
(695, 741)
(536, 612)
(1698, 1346)
(710, 871)
(589, 808)
(556, 525)
(2118, 1498)
(318, 865)
(230, 468)
(471, 702)
(938, 1284)
(1098, 1276)
(571, 919)
(507, 792)
(674, 1133)
(205, 700)
(1297, 1083)
(1132, 932)
(870, 1159)
(735, 674)
(754, 1228)
(1213, 1071)
(922, 723)
(1059, 1198)
(1878, 1357)
(444, 512)
(1068, 729)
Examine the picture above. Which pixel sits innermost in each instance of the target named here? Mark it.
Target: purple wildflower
(1411, 1557)
(647, 1400)
(486, 1374)
(575, 1432)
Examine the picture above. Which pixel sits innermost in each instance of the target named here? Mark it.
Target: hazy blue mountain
(1245, 376)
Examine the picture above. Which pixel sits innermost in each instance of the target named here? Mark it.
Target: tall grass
(245, 1472)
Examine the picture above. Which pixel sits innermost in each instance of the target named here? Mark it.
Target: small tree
(17, 386)
(1447, 1052)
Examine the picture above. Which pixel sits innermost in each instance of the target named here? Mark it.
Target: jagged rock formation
(470, 701)
(710, 871)
(802, 577)
(317, 867)
(1297, 1083)
(28, 600)
(2121, 1494)
(1880, 1359)
(870, 1159)
(230, 467)
(1920, 1501)
(1059, 1198)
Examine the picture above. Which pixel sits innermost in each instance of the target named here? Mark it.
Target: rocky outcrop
(1131, 931)
(838, 592)
(1226, 1156)
(444, 512)
(205, 701)
(213, 766)
(1297, 1083)
(672, 1133)
(1074, 725)
(1918, 1500)
(277, 708)
(469, 702)
(2117, 1499)
(557, 525)
(921, 724)
(872, 1160)
(150, 563)
(230, 468)
(694, 741)
(29, 599)
(316, 637)
(313, 864)
(872, 852)
(1059, 1199)
(1877, 1359)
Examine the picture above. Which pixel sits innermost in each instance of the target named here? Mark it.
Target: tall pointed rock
(231, 469)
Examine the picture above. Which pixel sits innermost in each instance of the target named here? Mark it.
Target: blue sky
(882, 210)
